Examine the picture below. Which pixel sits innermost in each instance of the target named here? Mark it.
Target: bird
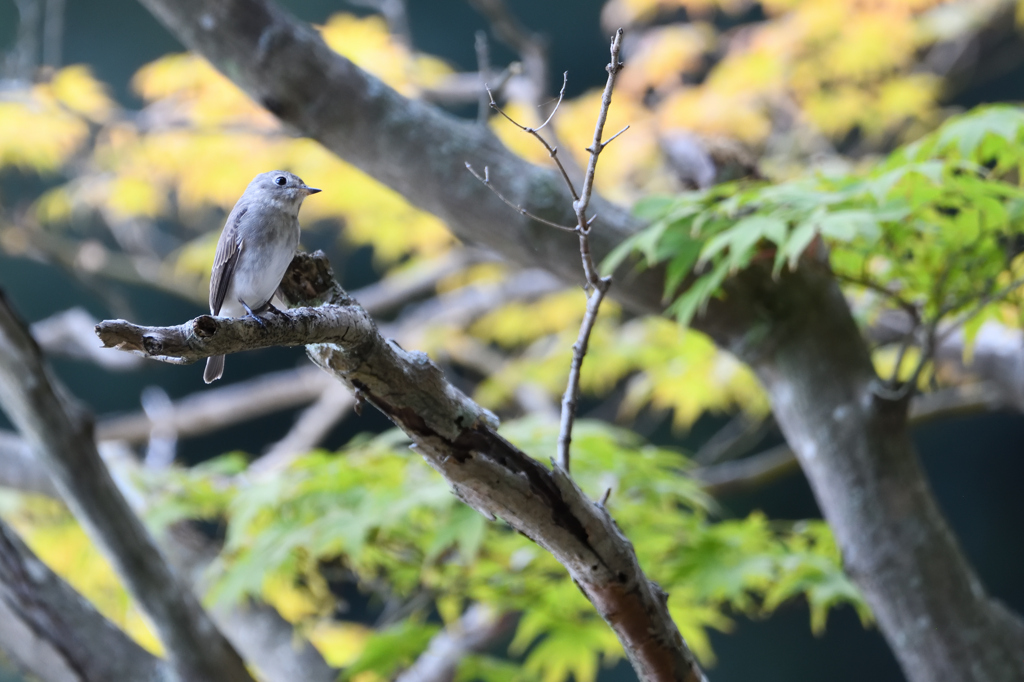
(256, 246)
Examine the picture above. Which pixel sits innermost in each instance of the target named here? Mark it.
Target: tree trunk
(856, 451)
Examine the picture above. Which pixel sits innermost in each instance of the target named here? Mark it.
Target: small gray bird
(257, 245)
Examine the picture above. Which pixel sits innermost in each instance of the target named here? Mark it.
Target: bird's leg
(253, 315)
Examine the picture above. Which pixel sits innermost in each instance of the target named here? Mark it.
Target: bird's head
(280, 187)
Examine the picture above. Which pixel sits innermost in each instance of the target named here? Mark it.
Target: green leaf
(391, 649)
(697, 296)
(741, 238)
(849, 225)
(686, 250)
(968, 132)
(620, 253)
(480, 668)
(798, 242)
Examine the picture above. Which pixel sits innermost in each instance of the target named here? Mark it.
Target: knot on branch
(310, 281)
(203, 327)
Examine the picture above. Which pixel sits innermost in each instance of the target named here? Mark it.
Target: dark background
(975, 464)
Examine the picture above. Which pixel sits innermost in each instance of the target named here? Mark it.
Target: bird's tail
(214, 368)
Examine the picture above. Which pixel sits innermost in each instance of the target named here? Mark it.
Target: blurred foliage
(55, 537)
(933, 227)
(838, 67)
(379, 513)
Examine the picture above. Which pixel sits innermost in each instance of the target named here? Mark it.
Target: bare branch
(572, 390)
(756, 471)
(216, 408)
(204, 336)
(19, 468)
(23, 57)
(53, 33)
(486, 180)
(532, 48)
(613, 68)
(733, 440)
(458, 439)
(70, 333)
(598, 284)
(609, 140)
(526, 129)
(483, 69)
(399, 288)
(63, 441)
(259, 633)
(465, 88)
(552, 150)
(309, 430)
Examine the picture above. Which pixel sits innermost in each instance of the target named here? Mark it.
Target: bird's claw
(254, 316)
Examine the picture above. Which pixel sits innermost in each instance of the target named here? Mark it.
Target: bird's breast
(262, 262)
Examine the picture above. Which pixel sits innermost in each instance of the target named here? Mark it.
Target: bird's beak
(310, 190)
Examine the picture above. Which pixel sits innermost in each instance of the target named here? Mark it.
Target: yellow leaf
(662, 57)
(340, 643)
(36, 134)
(707, 112)
(77, 89)
(518, 323)
(135, 198)
(54, 206)
(292, 602)
(368, 43)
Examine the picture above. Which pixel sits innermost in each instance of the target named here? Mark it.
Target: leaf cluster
(392, 525)
(935, 229)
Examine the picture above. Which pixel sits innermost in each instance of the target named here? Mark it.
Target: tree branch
(457, 438)
(258, 632)
(285, 66)
(219, 407)
(597, 283)
(62, 439)
(750, 473)
(52, 632)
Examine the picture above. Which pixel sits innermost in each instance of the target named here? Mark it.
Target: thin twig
(531, 47)
(598, 284)
(903, 303)
(982, 302)
(486, 180)
(609, 140)
(552, 150)
(483, 68)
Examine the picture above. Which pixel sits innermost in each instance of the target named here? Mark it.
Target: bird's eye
(280, 180)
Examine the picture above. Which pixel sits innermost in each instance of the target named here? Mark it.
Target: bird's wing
(224, 261)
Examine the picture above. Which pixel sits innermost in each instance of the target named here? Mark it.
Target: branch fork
(597, 284)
